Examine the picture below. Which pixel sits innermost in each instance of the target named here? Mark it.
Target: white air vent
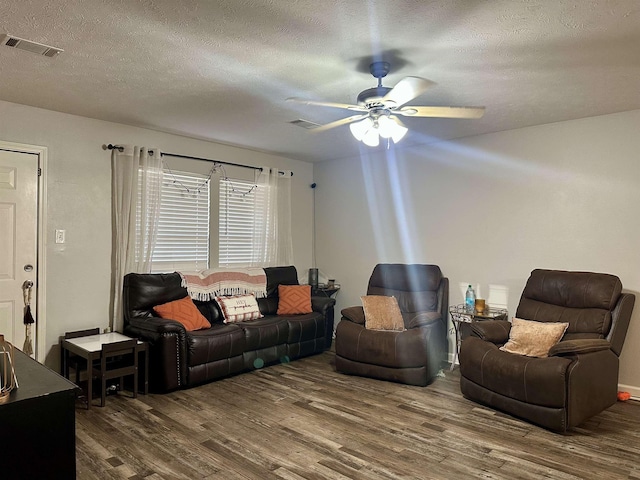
(305, 124)
(29, 46)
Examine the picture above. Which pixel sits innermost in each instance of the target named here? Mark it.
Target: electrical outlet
(60, 236)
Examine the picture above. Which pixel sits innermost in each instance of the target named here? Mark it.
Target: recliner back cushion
(414, 286)
(143, 291)
(584, 300)
(280, 276)
(410, 302)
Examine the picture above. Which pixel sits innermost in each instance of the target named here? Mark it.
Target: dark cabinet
(38, 424)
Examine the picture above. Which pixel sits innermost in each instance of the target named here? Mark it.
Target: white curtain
(136, 188)
(274, 245)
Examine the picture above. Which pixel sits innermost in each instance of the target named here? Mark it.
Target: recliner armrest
(354, 314)
(494, 331)
(423, 318)
(156, 325)
(572, 347)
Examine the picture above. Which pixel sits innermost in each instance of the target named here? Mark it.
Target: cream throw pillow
(382, 313)
(533, 339)
(239, 308)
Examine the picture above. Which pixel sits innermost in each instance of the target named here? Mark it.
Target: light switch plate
(60, 236)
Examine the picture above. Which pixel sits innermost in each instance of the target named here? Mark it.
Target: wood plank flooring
(305, 421)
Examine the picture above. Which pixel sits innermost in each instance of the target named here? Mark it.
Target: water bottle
(470, 298)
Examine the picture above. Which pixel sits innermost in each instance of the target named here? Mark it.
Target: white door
(18, 242)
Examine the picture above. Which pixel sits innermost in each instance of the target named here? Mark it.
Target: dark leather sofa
(413, 356)
(179, 358)
(579, 378)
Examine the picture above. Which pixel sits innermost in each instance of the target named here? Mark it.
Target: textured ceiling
(221, 70)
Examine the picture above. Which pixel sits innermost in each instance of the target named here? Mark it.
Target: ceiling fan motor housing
(372, 96)
(379, 69)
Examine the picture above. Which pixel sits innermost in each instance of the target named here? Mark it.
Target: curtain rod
(120, 148)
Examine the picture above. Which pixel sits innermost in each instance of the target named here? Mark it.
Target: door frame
(41, 322)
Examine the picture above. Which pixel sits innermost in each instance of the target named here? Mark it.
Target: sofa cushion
(215, 343)
(265, 332)
(183, 311)
(533, 339)
(239, 308)
(303, 328)
(382, 313)
(211, 310)
(294, 299)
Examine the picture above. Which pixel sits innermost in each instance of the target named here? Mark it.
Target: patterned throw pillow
(294, 299)
(382, 313)
(183, 311)
(239, 308)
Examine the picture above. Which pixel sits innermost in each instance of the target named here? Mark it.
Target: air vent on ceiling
(29, 46)
(305, 124)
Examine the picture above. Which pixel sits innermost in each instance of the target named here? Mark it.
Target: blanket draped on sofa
(214, 282)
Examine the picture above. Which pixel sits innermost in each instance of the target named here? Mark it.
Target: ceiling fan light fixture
(359, 129)
(390, 128)
(386, 127)
(371, 138)
(399, 131)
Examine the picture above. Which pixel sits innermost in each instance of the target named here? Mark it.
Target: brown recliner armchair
(579, 378)
(413, 356)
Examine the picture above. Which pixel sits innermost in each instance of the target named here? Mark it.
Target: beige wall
(79, 201)
(489, 209)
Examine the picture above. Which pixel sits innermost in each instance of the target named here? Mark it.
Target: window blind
(183, 227)
(241, 217)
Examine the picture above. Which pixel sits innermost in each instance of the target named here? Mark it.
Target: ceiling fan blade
(442, 112)
(338, 123)
(327, 104)
(398, 121)
(406, 90)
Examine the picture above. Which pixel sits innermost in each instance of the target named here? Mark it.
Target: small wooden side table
(462, 314)
(90, 348)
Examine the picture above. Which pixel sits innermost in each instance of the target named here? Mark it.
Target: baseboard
(634, 391)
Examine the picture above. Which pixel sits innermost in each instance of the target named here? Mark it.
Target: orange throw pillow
(185, 312)
(294, 299)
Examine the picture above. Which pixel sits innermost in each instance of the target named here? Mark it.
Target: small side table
(462, 314)
(90, 348)
(324, 290)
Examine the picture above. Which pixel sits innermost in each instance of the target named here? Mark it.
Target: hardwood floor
(305, 421)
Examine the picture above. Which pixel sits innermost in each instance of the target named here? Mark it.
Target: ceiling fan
(380, 108)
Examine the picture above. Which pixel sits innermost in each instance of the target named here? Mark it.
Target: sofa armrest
(353, 314)
(494, 331)
(573, 347)
(156, 325)
(322, 304)
(167, 350)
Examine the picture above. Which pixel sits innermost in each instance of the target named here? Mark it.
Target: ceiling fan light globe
(386, 127)
(398, 133)
(371, 138)
(359, 129)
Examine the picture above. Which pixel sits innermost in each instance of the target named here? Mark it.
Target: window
(242, 218)
(182, 242)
